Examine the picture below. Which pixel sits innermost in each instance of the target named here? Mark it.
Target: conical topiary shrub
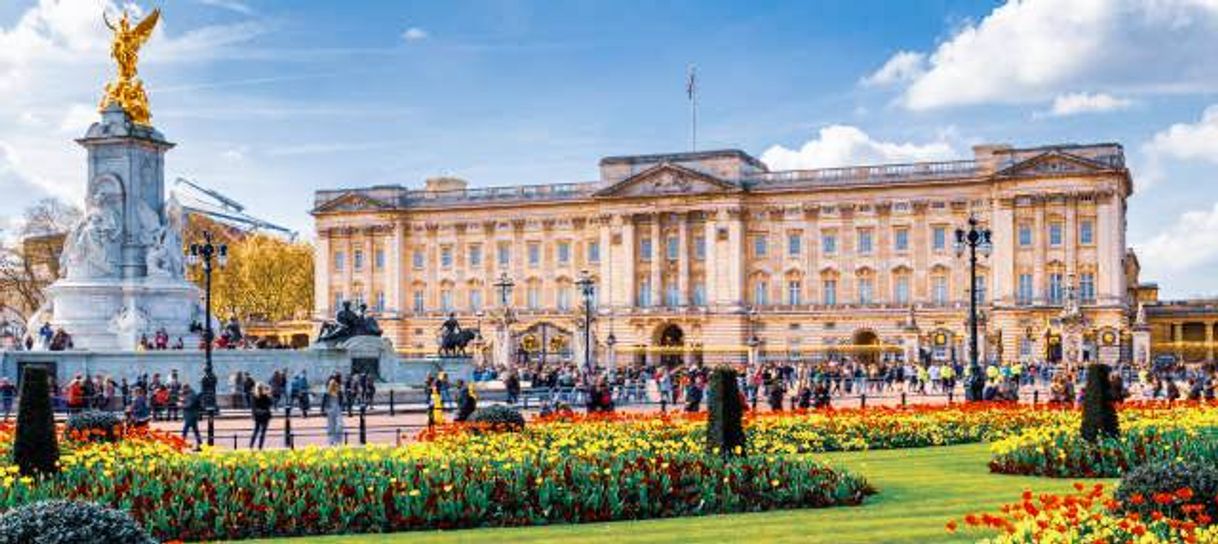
(725, 412)
(1099, 410)
(35, 450)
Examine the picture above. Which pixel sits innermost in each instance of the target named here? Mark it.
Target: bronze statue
(128, 91)
(348, 324)
(454, 339)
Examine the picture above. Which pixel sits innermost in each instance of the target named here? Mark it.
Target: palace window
(419, 303)
(380, 259)
(759, 245)
(1086, 235)
(564, 298)
(338, 300)
(340, 261)
(795, 244)
(1025, 235)
(416, 259)
(446, 300)
(1055, 288)
(358, 260)
(900, 239)
(794, 297)
(828, 243)
(1024, 292)
(446, 256)
(645, 250)
(864, 241)
(1086, 287)
(475, 300)
(534, 254)
(979, 290)
(700, 248)
(475, 255)
(504, 254)
(866, 291)
(595, 298)
(645, 293)
(672, 296)
(673, 248)
(1055, 234)
(699, 294)
(564, 252)
(380, 301)
(901, 290)
(594, 251)
(533, 296)
(939, 290)
(829, 292)
(939, 238)
(761, 295)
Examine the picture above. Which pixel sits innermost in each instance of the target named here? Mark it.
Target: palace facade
(711, 252)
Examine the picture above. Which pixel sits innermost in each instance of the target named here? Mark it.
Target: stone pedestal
(112, 314)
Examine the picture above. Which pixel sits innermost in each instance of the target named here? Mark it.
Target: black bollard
(391, 412)
(862, 400)
(287, 428)
(235, 442)
(1035, 397)
(902, 399)
(363, 426)
(211, 428)
(950, 394)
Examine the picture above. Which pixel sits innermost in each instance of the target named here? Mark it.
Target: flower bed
(1092, 515)
(1181, 434)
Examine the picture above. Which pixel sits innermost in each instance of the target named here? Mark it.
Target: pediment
(1053, 163)
(667, 179)
(353, 202)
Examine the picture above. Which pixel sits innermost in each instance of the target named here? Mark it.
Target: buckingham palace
(711, 252)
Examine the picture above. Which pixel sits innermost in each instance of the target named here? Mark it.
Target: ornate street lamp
(204, 254)
(972, 240)
(587, 288)
(504, 284)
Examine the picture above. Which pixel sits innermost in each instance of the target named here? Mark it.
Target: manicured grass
(920, 490)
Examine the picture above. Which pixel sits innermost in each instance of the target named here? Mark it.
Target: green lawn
(920, 490)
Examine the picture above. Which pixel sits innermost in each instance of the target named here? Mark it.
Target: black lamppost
(973, 239)
(587, 288)
(504, 284)
(204, 253)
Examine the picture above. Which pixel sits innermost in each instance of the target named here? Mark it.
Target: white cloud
(1189, 141)
(903, 67)
(78, 118)
(1076, 103)
(1186, 244)
(1032, 50)
(414, 34)
(231, 5)
(844, 145)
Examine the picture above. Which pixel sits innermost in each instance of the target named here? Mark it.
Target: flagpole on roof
(691, 91)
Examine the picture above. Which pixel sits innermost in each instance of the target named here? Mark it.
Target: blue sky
(269, 101)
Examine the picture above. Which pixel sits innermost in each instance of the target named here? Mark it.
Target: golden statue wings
(128, 91)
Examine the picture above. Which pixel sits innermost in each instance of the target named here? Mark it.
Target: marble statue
(91, 247)
(164, 257)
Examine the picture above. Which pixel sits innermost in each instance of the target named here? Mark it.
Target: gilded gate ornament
(128, 91)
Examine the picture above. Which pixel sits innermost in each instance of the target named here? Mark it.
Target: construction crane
(223, 209)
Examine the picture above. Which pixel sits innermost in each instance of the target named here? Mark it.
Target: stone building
(707, 253)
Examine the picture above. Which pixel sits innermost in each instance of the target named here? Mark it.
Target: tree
(725, 411)
(28, 266)
(49, 216)
(1099, 411)
(36, 449)
(266, 279)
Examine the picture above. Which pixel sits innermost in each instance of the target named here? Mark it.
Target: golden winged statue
(128, 91)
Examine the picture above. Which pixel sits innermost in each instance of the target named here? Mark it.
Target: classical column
(1109, 251)
(369, 266)
(349, 261)
(1209, 342)
(1003, 259)
(683, 259)
(608, 282)
(710, 264)
(1039, 243)
(1071, 238)
(657, 262)
(323, 262)
(624, 259)
(735, 257)
(393, 269)
(1177, 337)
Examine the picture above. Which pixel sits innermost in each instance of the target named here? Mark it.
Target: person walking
(467, 400)
(332, 406)
(262, 403)
(191, 406)
(138, 414)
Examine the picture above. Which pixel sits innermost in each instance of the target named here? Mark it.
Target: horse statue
(453, 345)
(347, 324)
